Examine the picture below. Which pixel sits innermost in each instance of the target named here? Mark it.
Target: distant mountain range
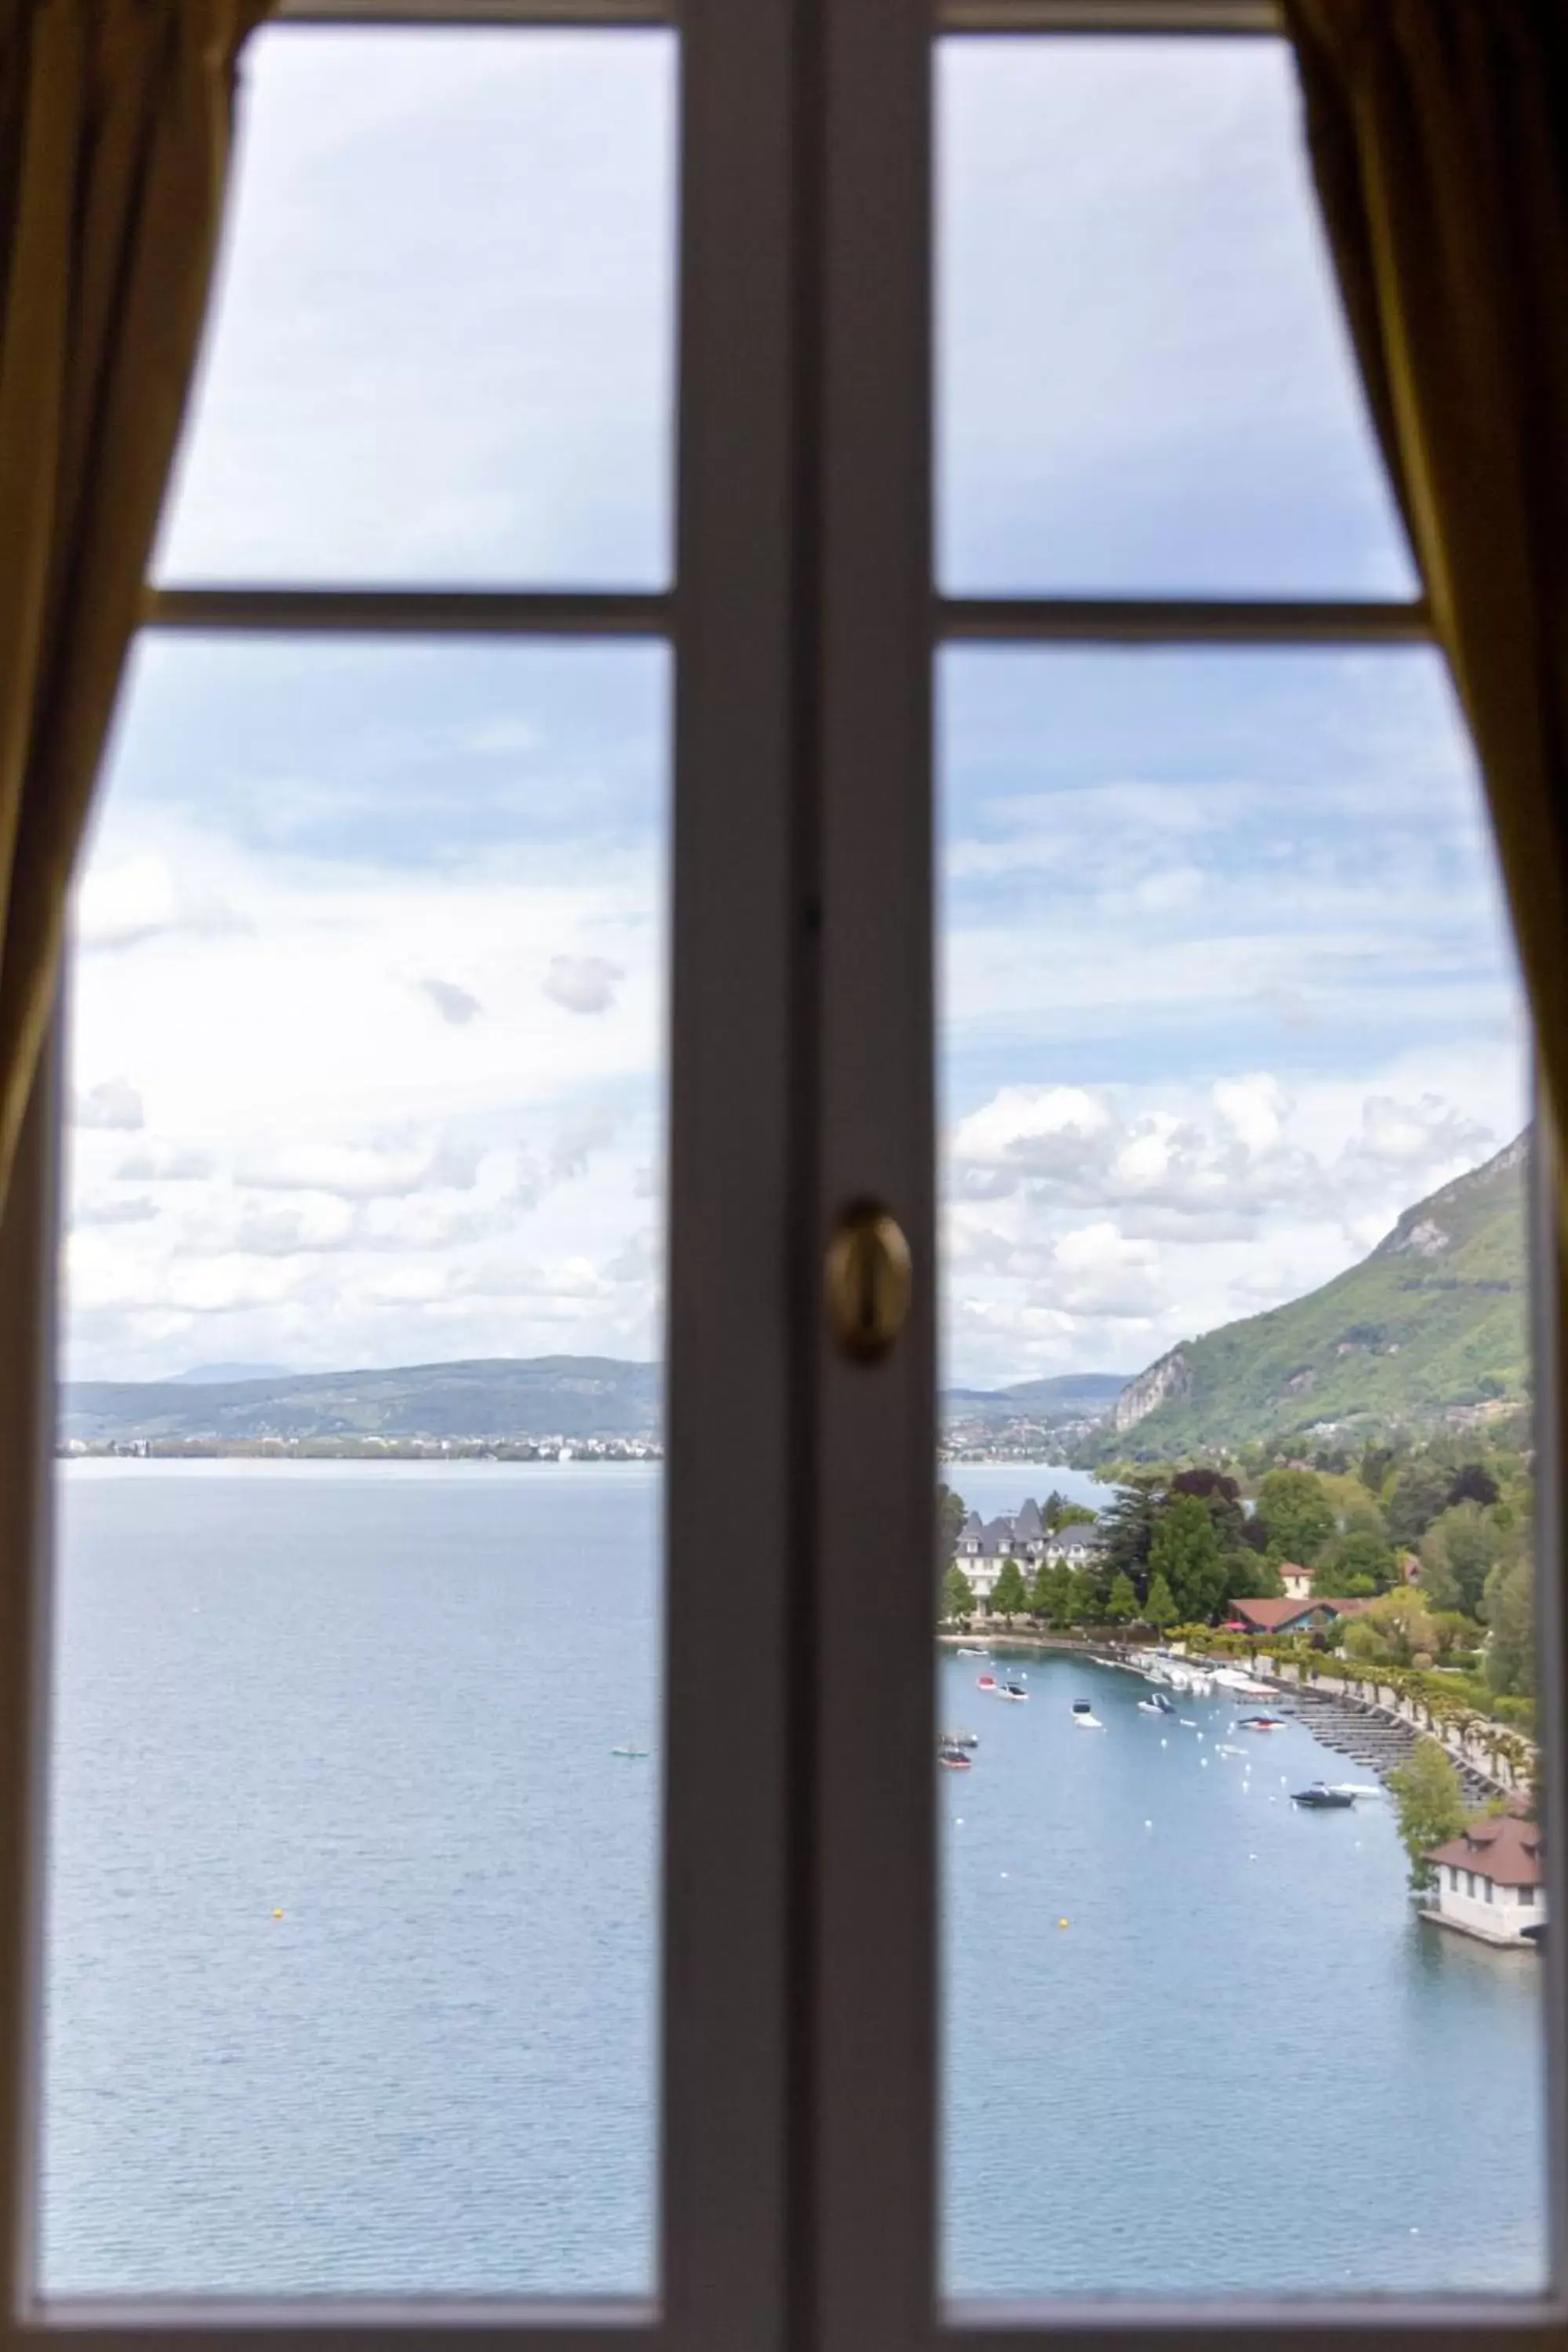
(531, 1397)
(1433, 1325)
(1433, 1322)
(572, 1397)
(1042, 1404)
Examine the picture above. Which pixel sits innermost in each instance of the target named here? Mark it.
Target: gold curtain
(1438, 130)
(114, 138)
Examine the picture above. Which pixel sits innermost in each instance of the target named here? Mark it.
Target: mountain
(1066, 1396)
(502, 1396)
(208, 1376)
(1436, 1319)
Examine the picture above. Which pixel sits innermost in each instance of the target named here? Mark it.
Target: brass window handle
(868, 1277)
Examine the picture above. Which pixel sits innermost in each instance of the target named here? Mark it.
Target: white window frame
(875, 2156)
(728, 2033)
(798, 2183)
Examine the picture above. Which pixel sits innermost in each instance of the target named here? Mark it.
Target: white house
(984, 1545)
(1298, 1582)
(1491, 1880)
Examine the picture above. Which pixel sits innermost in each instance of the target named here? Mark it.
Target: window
(872, 720)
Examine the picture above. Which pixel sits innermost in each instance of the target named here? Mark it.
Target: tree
(1375, 1465)
(1510, 1614)
(1128, 1524)
(1076, 1514)
(1394, 1631)
(1083, 1601)
(1160, 1609)
(1419, 1494)
(1473, 1484)
(1185, 1551)
(1249, 1577)
(957, 1592)
(1431, 1807)
(1010, 1597)
(949, 1518)
(1051, 1594)
(1360, 1554)
(1297, 1514)
(1458, 1552)
(1220, 1497)
(1122, 1605)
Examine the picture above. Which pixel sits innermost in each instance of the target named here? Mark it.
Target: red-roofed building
(1491, 1879)
(1313, 1614)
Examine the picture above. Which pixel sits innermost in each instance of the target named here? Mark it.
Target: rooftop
(1501, 1846)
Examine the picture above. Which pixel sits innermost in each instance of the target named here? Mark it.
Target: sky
(368, 1050)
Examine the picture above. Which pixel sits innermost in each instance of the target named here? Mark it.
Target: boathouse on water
(1491, 1880)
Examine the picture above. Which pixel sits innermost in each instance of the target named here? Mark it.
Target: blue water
(381, 1700)
(1241, 2063)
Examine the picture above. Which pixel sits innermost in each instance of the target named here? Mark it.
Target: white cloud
(583, 984)
(1091, 1229)
(113, 1105)
(166, 1164)
(457, 1006)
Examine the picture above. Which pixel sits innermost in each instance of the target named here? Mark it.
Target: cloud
(166, 1164)
(142, 898)
(577, 1140)
(312, 1226)
(583, 984)
(454, 1005)
(365, 1172)
(1090, 1228)
(139, 1211)
(113, 1104)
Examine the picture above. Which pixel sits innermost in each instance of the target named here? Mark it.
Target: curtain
(115, 120)
(1439, 132)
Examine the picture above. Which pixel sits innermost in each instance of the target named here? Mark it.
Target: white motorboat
(1084, 1716)
(1231, 1679)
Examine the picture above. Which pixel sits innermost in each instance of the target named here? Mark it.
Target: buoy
(278, 1914)
(1147, 1825)
(1061, 1923)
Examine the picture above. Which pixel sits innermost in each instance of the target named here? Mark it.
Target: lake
(352, 1957)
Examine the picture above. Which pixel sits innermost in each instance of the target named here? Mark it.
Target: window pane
(1145, 384)
(442, 349)
(352, 1929)
(1234, 1063)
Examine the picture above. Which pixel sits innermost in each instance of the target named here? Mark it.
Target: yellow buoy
(1061, 1923)
(278, 1914)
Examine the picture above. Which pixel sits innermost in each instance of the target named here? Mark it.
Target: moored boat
(985, 1682)
(1158, 1705)
(953, 1758)
(1084, 1716)
(1319, 1799)
(959, 1739)
(1259, 1723)
(1012, 1690)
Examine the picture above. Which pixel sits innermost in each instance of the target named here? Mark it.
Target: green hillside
(1436, 1317)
